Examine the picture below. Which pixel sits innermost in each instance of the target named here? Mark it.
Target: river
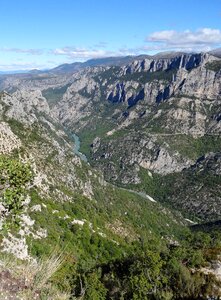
(76, 147)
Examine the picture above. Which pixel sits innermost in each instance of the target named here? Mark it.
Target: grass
(41, 272)
(32, 279)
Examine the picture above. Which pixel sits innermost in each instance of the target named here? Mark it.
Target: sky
(40, 34)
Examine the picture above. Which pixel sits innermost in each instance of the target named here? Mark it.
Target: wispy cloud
(78, 52)
(83, 53)
(202, 39)
(101, 45)
(25, 51)
(21, 66)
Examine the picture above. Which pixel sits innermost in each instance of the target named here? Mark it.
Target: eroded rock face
(202, 83)
(74, 104)
(17, 246)
(24, 104)
(121, 159)
(179, 61)
(148, 81)
(8, 140)
(96, 144)
(190, 77)
(196, 189)
(165, 163)
(211, 162)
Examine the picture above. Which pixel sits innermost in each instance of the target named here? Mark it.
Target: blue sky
(43, 34)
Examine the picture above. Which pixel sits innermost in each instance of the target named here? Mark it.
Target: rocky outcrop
(8, 140)
(164, 163)
(210, 162)
(74, 105)
(23, 105)
(202, 83)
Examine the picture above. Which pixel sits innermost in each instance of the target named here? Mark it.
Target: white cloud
(25, 51)
(73, 52)
(202, 39)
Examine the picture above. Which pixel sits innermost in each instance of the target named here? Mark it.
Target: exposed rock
(164, 163)
(8, 140)
(96, 144)
(23, 105)
(16, 246)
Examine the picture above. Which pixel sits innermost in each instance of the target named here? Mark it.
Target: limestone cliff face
(197, 190)
(124, 157)
(147, 81)
(25, 122)
(8, 140)
(24, 104)
(74, 104)
(202, 83)
(185, 74)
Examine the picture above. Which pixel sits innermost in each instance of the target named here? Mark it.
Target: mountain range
(113, 161)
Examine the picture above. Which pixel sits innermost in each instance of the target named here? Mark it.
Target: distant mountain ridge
(95, 62)
(216, 52)
(106, 61)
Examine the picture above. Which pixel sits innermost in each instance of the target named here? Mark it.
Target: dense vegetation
(155, 271)
(14, 180)
(104, 266)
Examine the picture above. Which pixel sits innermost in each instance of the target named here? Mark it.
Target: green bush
(15, 178)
